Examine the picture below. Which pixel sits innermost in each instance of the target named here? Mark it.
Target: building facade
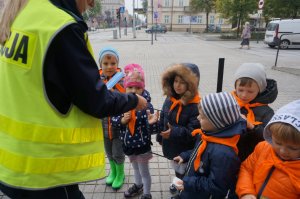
(176, 15)
(109, 7)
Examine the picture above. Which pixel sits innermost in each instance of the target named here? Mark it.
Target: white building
(176, 15)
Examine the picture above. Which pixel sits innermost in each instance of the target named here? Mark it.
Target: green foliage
(281, 9)
(93, 12)
(206, 6)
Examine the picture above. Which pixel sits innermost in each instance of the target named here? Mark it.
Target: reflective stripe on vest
(39, 147)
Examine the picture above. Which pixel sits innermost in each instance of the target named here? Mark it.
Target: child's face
(134, 89)
(247, 93)
(180, 86)
(286, 151)
(109, 65)
(206, 125)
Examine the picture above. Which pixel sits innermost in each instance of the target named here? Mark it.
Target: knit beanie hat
(221, 109)
(108, 51)
(289, 114)
(254, 71)
(134, 76)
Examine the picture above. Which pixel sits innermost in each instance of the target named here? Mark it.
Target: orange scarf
(176, 102)
(225, 141)
(131, 124)
(291, 168)
(250, 114)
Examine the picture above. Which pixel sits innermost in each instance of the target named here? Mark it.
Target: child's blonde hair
(285, 132)
(11, 10)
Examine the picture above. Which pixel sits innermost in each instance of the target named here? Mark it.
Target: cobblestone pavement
(182, 47)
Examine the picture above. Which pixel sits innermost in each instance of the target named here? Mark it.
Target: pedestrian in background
(178, 117)
(273, 169)
(109, 65)
(246, 35)
(51, 137)
(253, 92)
(214, 163)
(136, 128)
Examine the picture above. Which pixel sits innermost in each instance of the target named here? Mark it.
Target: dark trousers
(64, 192)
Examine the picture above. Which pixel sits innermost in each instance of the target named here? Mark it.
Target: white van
(284, 26)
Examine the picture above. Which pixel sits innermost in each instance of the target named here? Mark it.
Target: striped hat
(221, 109)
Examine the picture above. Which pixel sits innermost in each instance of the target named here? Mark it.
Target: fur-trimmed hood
(189, 73)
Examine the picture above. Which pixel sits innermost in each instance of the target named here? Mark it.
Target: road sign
(122, 9)
(155, 15)
(261, 4)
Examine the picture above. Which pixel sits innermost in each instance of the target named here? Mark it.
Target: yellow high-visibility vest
(39, 147)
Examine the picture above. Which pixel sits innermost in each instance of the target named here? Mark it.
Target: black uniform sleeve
(71, 77)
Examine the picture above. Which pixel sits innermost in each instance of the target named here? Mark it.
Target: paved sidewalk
(177, 48)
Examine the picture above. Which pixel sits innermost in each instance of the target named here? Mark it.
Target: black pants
(65, 192)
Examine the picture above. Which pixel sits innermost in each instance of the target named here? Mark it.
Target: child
(273, 169)
(136, 128)
(214, 163)
(179, 113)
(253, 92)
(108, 62)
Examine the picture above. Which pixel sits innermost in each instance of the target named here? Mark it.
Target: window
(167, 19)
(180, 3)
(180, 19)
(211, 19)
(199, 19)
(221, 20)
(167, 3)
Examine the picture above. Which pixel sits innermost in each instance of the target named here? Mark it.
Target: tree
(281, 9)
(93, 12)
(203, 5)
(237, 11)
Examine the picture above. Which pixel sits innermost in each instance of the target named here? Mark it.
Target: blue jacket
(140, 142)
(180, 138)
(217, 174)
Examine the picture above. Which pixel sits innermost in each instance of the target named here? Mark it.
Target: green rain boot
(119, 180)
(112, 174)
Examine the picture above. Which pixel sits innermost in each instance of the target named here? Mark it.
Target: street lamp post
(133, 21)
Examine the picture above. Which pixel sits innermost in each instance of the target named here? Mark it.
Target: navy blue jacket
(180, 138)
(140, 142)
(217, 174)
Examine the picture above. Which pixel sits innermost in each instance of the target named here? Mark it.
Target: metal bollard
(115, 34)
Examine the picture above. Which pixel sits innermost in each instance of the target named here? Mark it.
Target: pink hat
(134, 76)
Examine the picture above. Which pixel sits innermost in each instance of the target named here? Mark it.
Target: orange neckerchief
(121, 89)
(250, 114)
(291, 168)
(131, 124)
(176, 102)
(232, 141)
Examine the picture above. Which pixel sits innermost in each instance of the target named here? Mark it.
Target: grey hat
(255, 71)
(289, 114)
(221, 109)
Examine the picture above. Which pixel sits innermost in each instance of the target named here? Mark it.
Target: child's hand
(248, 196)
(125, 119)
(166, 134)
(152, 118)
(178, 183)
(249, 125)
(178, 159)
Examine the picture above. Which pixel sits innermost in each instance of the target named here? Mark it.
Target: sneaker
(146, 196)
(172, 189)
(133, 191)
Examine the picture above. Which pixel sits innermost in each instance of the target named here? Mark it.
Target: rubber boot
(112, 174)
(119, 180)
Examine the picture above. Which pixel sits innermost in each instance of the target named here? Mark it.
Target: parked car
(157, 28)
(289, 27)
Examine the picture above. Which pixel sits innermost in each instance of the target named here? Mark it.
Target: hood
(269, 95)
(189, 73)
(238, 128)
(70, 7)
